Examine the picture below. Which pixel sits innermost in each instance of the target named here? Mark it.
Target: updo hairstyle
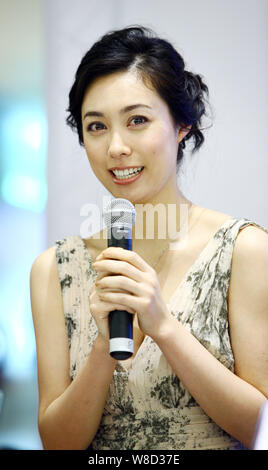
(159, 66)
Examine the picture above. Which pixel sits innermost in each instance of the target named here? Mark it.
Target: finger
(101, 290)
(105, 307)
(100, 275)
(126, 255)
(127, 301)
(119, 267)
(119, 284)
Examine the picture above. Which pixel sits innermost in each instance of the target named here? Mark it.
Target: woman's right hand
(100, 309)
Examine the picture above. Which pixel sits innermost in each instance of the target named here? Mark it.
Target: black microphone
(119, 216)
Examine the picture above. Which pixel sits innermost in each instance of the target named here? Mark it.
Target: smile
(126, 177)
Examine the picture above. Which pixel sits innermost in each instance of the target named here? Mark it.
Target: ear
(183, 131)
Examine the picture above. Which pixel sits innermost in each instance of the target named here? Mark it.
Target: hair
(157, 64)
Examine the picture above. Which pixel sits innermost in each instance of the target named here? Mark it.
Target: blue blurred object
(23, 134)
(23, 137)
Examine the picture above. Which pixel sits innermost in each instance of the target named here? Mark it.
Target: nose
(117, 147)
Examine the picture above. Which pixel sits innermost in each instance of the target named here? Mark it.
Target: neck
(158, 221)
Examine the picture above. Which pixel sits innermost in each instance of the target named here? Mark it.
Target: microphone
(119, 216)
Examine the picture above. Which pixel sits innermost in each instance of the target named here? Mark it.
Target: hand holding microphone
(101, 309)
(131, 286)
(119, 217)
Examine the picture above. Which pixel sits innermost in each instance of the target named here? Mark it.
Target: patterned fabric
(147, 406)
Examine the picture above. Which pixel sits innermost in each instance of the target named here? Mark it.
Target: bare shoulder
(45, 289)
(250, 257)
(249, 268)
(44, 274)
(44, 281)
(251, 238)
(214, 219)
(206, 222)
(248, 305)
(45, 261)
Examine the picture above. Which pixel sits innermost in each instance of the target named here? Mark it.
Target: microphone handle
(121, 321)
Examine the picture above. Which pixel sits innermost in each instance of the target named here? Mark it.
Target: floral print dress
(147, 406)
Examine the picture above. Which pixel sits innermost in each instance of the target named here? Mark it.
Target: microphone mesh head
(119, 212)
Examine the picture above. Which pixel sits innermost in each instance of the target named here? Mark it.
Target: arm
(69, 412)
(233, 401)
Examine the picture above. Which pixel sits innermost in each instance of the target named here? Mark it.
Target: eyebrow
(122, 111)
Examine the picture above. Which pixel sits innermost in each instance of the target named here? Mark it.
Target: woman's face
(143, 136)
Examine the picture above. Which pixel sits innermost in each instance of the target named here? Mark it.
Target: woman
(197, 378)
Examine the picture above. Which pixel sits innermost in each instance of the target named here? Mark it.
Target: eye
(97, 123)
(89, 127)
(139, 118)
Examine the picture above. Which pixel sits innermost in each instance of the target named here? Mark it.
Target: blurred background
(45, 178)
(23, 198)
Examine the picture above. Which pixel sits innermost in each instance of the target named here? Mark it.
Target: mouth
(126, 179)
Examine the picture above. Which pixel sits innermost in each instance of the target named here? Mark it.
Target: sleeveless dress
(147, 406)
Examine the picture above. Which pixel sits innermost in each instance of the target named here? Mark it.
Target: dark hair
(157, 63)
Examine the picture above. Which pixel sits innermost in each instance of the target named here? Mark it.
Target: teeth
(126, 173)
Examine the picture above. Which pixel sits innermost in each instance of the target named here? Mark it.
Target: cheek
(90, 156)
(94, 155)
(167, 142)
(97, 166)
(158, 145)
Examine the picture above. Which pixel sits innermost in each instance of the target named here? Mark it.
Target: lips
(127, 180)
(124, 168)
